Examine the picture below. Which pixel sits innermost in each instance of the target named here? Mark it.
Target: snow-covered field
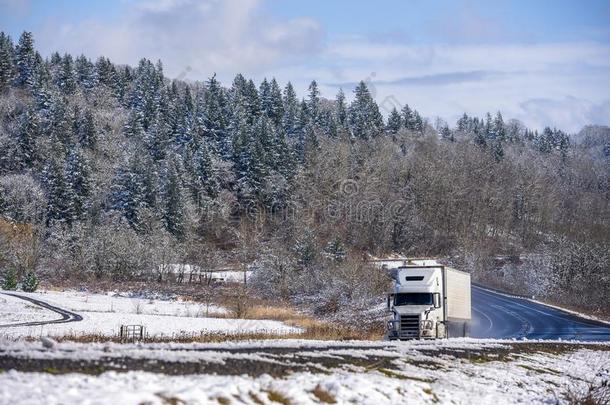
(13, 310)
(463, 371)
(105, 313)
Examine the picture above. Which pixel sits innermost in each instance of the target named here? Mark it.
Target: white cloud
(514, 78)
(227, 36)
(569, 113)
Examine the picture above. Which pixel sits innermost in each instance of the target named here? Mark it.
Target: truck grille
(409, 326)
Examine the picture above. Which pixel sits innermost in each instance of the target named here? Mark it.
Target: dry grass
(323, 395)
(313, 330)
(275, 396)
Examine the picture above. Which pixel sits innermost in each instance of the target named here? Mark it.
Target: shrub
(30, 282)
(10, 280)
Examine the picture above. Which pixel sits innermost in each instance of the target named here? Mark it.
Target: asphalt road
(496, 315)
(66, 316)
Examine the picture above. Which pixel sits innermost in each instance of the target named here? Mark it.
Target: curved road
(496, 315)
(66, 316)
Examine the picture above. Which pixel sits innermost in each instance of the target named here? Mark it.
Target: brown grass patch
(275, 396)
(323, 395)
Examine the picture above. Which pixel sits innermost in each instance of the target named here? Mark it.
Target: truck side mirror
(390, 296)
(437, 300)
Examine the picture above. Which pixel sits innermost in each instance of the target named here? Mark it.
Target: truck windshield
(413, 299)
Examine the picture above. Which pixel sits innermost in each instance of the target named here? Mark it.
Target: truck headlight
(427, 324)
(393, 325)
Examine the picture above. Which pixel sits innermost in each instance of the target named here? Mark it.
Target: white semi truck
(429, 301)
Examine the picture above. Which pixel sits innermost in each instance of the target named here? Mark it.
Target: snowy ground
(104, 313)
(463, 371)
(13, 310)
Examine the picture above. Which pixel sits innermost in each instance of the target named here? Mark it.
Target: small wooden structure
(132, 333)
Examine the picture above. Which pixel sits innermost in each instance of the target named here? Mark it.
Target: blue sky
(544, 62)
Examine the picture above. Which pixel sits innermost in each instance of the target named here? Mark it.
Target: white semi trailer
(429, 301)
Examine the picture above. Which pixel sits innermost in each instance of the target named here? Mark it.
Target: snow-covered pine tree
(313, 103)
(59, 194)
(26, 61)
(394, 121)
(78, 180)
(133, 127)
(407, 117)
(264, 92)
(205, 184)
(28, 132)
(30, 282)
(499, 128)
(277, 104)
(87, 132)
(446, 133)
(7, 68)
(365, 120)
(9, 281)
(84, 72)
(66, 79)
(216, 118)
(290, 119)
(341, 110)
(173, 207)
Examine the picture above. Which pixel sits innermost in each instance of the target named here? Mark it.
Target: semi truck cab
(428, 302)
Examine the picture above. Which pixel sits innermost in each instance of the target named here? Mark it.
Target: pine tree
(30, 282)
(341, 109)
(407, 117)
(60, 126)
(418, 123)
(479, 136)
(84, 72)
(66, 80)
(365, 120)
(215, 118)
(463, 124)
(10, 280)
(277, 104)
(87, 133)
(264, 92)
(394, 121)
(59, 198)
(173, 210)
(127, 195)
(7, 68)
(29, 130)
(291, 112)
(106, 75)
(206, 182)
(313, 103)
(251, 160)
(499, 129)
(157, 138)
(133, 128)
(25, 57)
(446, 133)
(78, 180)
